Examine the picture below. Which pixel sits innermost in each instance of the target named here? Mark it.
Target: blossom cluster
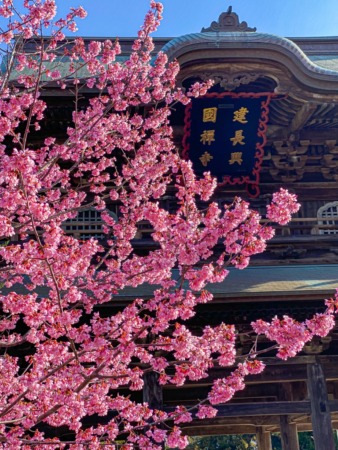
(64, 360)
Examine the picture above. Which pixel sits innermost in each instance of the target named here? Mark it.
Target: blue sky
(288, 18)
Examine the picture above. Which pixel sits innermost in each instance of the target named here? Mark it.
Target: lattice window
(328, 217)
(86, 224)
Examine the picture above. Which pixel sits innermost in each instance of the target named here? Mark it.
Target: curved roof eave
(185, 44)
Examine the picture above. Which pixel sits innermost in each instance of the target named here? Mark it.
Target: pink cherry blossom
(80, 359)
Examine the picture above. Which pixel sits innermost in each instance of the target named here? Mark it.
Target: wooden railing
(306, 226)
(299, 226)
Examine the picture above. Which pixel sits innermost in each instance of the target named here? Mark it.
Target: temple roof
(266, 281)
(269, 282)
(327, 61)
(313, 63)
(182, 44)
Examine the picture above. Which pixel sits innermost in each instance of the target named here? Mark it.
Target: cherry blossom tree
(63, 363)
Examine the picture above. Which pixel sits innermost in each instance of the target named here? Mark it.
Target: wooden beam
(289, 434)
(263, 439)
(319, 136)
(264, 409)
(301, 359)
(207, 427)
(218, 430)
(189, 393)
(302, 116)
(272, 374)
(320, 409)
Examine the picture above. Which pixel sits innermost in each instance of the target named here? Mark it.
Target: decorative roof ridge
(172, 47)
(227, 22)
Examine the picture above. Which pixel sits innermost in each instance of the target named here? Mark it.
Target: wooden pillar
(289, 435)
(153, 395)
(288, 431)
(320, 412)
(263, 439)
(152, 391)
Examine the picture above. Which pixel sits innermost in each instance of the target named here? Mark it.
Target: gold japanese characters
(207, 137)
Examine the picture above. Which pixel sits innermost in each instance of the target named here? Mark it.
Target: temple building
(270, 121)
(294, 84)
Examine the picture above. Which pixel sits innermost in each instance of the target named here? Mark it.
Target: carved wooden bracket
(287, 175)
(317, 345)
(231, 81)
(228, 21)
(289, 148)
(330, 161)
(289, 162)
(332, 145)
(302, 116)
(329, 173)
(291, 178)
